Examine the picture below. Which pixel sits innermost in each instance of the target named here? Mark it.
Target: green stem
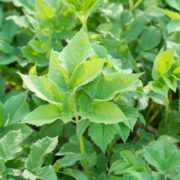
(83, 19)
(154, 115)
(166, 109)
(81, 142)
(131, 5)
(137, 3)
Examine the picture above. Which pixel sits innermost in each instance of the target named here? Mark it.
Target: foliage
(89, 89)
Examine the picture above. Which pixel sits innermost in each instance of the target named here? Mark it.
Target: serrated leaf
(132, 114)
(163, 154)
(57, 72)
(38, 151)
(123, 131)
(106, 87)
(100, 111)
(153, 158)
(10, 145)
(85, 72)
(43, 88)
(102, 134)
(44, 114)
(76, 51)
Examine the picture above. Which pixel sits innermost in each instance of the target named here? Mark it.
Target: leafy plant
(73, 90)
(101, 102)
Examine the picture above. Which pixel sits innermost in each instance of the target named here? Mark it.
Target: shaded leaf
(102, 134)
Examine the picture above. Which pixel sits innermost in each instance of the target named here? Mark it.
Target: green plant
(81, 87)
(102, 103)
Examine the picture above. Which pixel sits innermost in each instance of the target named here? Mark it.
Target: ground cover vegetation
(89, 89)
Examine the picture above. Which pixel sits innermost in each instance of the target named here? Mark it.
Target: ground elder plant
(89, 90)
(80, 88)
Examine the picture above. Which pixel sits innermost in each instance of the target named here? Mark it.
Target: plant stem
(166, 109)
(81, 142)
(83, 19)
(131, 5)
(154, 115)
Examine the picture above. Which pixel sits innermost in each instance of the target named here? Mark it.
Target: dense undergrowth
(89, 89)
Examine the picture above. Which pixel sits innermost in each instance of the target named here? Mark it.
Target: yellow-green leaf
(100, 111)
(162, 63)
(44, 114)
(85, 72)
(43, 88)
(57, 72)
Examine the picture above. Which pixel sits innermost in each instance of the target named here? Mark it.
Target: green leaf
(171, 82)
(43, 88)
(10, 145)
(69, 160)
(171, 14)
(2, 115)
(16, 108)
(72, 147)
(132, 115)
(78, 175)
(159, 86)
(44, 114)
(106, 87)
(82, 127)
(123, 131)
(162, 63)
(38, 151)
(26, 130)
(153, 157)
(102, 134)
(163, 155)
(135, 28)
(28, 175)
(57, 72)
(43, 10)
(100, 112)
(174, 4)
(175, 68)
(46, 173)
(100, 50)
(142, 175)
(150, 38)
(173, 26)
(51, 130)
(85, 72)
(76, 51)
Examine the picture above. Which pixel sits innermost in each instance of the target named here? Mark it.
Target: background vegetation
(104, 89)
